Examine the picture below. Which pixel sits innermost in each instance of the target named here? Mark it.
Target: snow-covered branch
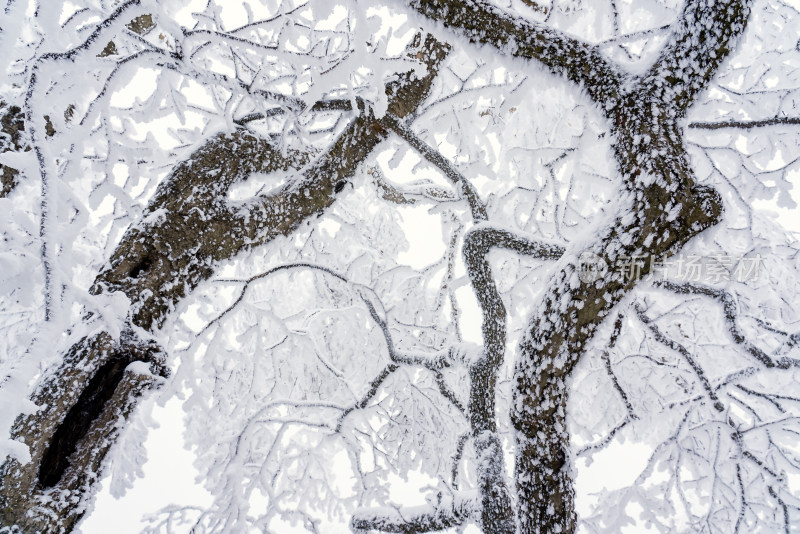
(516, 36)
(746, 125)
(704, 36)
(683, 351)
(448, 512)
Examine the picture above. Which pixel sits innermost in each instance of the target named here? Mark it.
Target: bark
(12, 131)
(46, 495)
(497, 514)
(667, 209)
(481, 22)
(188, 227)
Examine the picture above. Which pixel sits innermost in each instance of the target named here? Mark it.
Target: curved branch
(683, 351)
(497, 515)
(483, 23)
(194, 197)
(704, 36)
(607, 439)
(404, 132)
(631, 415)
(188, 226)
(729, 311)
(434, 362)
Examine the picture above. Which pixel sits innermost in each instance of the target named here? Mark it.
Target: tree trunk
(187, 228)
(666, 210)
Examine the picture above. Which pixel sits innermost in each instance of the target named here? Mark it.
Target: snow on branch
(404, 132)
(497, 514)
(190, 225)
(433, 362)
(746, 125)
(730, 311)
(683, 351)
(704, 36)
(448, 512)
(516, 36)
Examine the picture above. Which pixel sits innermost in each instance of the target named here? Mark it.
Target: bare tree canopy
(221, 202)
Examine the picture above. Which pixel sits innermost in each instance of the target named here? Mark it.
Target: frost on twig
(746, 125)
(730, 312)
(683, 351)
(630, 415)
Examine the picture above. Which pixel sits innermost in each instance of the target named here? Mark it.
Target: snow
(294, 400)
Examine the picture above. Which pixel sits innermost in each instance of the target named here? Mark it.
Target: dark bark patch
(12, 130)
(79, 419)
(141, 267)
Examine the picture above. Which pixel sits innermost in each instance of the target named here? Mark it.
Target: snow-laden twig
(683, 351)
(746, 125)
(730, 311)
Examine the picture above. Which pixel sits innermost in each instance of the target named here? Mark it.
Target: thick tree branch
(664, 211)
(79, 424)
(704, 36)
(481, 22)
(188, 226)
(160, 261)
(497, 515)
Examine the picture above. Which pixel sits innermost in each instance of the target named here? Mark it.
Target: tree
(586, 161)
